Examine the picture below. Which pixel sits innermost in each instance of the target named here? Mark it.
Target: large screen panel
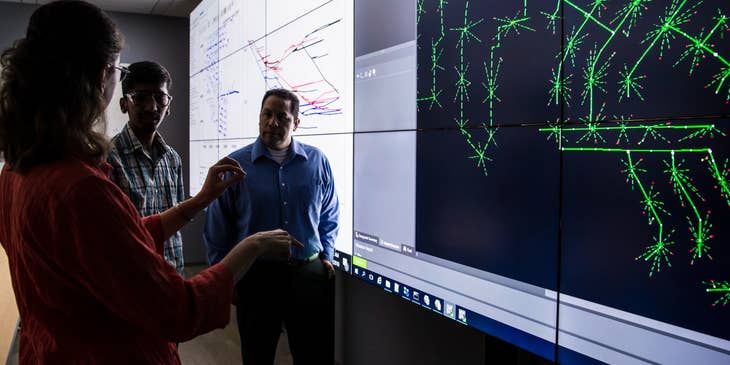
(460, 214)
(478, 62)
(644, 130)
(504, 222)
(554, 173)
(523, 111)
(644, 242)
(240, 49)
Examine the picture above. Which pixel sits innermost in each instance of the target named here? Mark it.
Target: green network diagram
(596, 132)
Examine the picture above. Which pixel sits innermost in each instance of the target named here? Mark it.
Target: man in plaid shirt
(143, 165)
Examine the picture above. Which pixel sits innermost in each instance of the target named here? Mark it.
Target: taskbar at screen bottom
(342, 261)
(459, 314)
(590, 333)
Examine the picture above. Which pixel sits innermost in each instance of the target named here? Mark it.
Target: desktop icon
(396, 286)
(346, 264)
(426, 299)
(371, 277)
(437, 304)
(380, 280)
(357, 271)
(416, 296)
(387, 284)
(462, 315)
(406, 291)
(449, 310)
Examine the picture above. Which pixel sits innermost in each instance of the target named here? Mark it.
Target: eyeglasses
(123, 71)
(141, 97)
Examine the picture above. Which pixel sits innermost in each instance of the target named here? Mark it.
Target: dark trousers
(299, 296)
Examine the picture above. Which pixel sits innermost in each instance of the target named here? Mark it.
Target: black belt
(302, 262)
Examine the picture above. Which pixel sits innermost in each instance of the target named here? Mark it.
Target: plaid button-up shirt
(153, 181)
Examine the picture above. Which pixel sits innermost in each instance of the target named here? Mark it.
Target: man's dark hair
(146, 72)
(50, 97)
(286, 95)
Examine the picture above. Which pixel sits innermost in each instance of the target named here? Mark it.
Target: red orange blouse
(88, 275)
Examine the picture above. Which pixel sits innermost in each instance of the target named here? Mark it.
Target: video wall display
(553, 173)
(632, 98)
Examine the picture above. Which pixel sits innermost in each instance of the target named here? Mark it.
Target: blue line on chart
(230, 93)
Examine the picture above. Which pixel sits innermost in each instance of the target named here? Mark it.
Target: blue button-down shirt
(297, 196)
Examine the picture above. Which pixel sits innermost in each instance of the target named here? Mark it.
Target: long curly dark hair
(50, 94)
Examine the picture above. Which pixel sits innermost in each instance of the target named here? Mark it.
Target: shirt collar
(132, 143)
(259, 150)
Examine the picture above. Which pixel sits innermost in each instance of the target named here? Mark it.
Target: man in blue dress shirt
(288, 185)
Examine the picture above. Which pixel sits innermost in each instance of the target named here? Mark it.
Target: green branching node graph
(630, 84)
(623, 133)
(491, 70)
(718, 287)
(436, 53)
(466, 34)
(594, 76)
(721, 175)
(573, 43)
(419, 11)
(698, 48)
(592, 128)
(555, 132)
(513, 24)
(681, 182)
(630, 13)
(628, 139)
(669, 28)
(560, 83)
(698, 227)
(658, 253)
(653, 132)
